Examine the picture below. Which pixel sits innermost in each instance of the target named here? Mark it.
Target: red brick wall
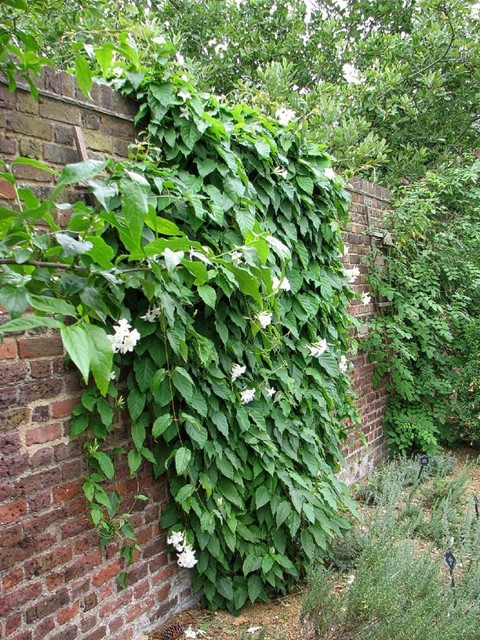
(368, 206)
(56, 584)
(55, 581)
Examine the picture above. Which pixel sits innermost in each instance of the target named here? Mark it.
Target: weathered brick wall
(56, 584)
(367, 209)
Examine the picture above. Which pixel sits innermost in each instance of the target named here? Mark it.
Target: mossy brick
(42, 564)
(98, 141)
(101, 632)
(9, 443)
(12, 623)
(68, 85)
(7, 98)
(62, 408)
(39, 390)
(95, 95)
(26, 102)
(31, 148)
(59, 154)
(50, 80)
(91, 120)
(51, 604)
(43, 628)
(67, 633)
(7, 190)
(11, 511)
(59, 111)
(8, 398)
(17, 599)
(41, 368)
(29, 125)
(45, 433)
(64, 134)
(8, 146)
(39, 347)
(13, 373)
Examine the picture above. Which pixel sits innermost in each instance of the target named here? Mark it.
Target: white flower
(329, 173)
(247, 395)
(199, 256)
(237, 371)
(152, 314)
(475, 10)
(187, 558)
(352, 274)
(280, 172)
(284, 116)
(366, 298)
(184, 95)
(264, 319)
(112, 376)
(351, 579)
(253, 629)
(271, 392)
(318, 348)
(236, 257)
(283, 284)
(282, 249)
(124, 338)
(190, 633)
(343, 364)
(179, 58)
(351, 74)
(177, 540)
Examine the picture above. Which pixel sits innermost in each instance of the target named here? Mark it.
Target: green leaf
(70, 246)
(138, 433)
(78, 346)
(208, 295)
(255, 587)
(14, 300)
(73, 173)
(78, 424)
(262, 496)
(51, 305)
(283, 511)
(134, 459)
(144, 369)
(100, 251)
(105, 463)
(136, 403)
(30, 322)
(161, 424)
(36, 164)
(251, 563)
(134, 196)
(83, 74)
(182, 459)
(183, 383)
(101, 356)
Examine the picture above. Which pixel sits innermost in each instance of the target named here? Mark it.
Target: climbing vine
(204, 294)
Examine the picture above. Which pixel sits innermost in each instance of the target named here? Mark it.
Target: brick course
(56, 583)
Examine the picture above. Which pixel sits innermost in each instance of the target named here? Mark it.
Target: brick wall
(368, 206)
(55, 581)
(56, 584)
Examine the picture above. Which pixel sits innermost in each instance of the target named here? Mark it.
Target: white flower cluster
(284, 116)
(124, 338)
(236, 257)
(190, 633)
(280, 172)
(152, 314)
(352, 274)
(351, 74)
(282, 284)
(329, 173)
(200, 256)
(247, 395)
(318, 348)
(343, 364)
(264, 318)
(366, 298)
(186, 553)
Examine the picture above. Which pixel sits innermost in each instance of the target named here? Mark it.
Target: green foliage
(431, 278)
(395, 586)
(467, 399)
(221, 215)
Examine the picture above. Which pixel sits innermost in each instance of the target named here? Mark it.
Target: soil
(279, 618)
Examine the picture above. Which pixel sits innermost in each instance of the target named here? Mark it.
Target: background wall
(56, 584)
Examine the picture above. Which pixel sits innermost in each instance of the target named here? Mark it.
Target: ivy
(213, 249)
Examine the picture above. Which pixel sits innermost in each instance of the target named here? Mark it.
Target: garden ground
(280, 619)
